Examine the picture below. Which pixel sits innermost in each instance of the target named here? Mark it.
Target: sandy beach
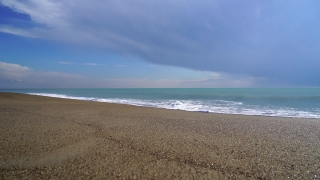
(43, 138)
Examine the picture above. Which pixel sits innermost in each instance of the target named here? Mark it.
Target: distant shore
(45, 138)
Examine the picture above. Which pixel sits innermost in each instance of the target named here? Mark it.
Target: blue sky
(143, 43)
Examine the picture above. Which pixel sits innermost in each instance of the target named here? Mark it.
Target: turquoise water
(282, 102)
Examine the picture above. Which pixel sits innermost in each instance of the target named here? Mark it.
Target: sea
(280, 102)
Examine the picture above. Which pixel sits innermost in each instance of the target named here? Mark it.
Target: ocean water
(282, 102)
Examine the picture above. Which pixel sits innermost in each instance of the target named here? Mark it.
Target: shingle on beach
(43, 138)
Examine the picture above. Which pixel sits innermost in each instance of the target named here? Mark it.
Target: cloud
(13, 71)
(52, 74)
(9, 67)
(276, 40)
(18, 76)
(40, 11)
(216, 75)
(92, 64)
(66, 63)
(224, 81)
(85, 64)
(16, 31)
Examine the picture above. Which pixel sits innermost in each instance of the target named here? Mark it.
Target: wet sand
(43, 138)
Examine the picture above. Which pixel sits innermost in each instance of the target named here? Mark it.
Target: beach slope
(43, 138)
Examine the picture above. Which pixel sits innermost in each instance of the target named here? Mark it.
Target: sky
(159, 44)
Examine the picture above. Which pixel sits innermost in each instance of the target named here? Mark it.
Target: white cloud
(53, 74)
(13, 71)
(66, 63)
(22, 76)
(216, 75)
(85, 64)
(220, 83)
(12, 67)
(15, 75)
(48, 12)
(226, 81)
(92, 64)
(256, 38)
(16, 31)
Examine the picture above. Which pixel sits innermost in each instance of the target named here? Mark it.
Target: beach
(44, 137)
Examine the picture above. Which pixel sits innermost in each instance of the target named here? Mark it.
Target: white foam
(213, 106)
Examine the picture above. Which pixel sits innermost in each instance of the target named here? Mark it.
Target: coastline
(46, 137)
(278, 102)
(296, 102)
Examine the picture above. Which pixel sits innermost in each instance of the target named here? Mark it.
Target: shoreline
(45, 137)
(75, 98)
